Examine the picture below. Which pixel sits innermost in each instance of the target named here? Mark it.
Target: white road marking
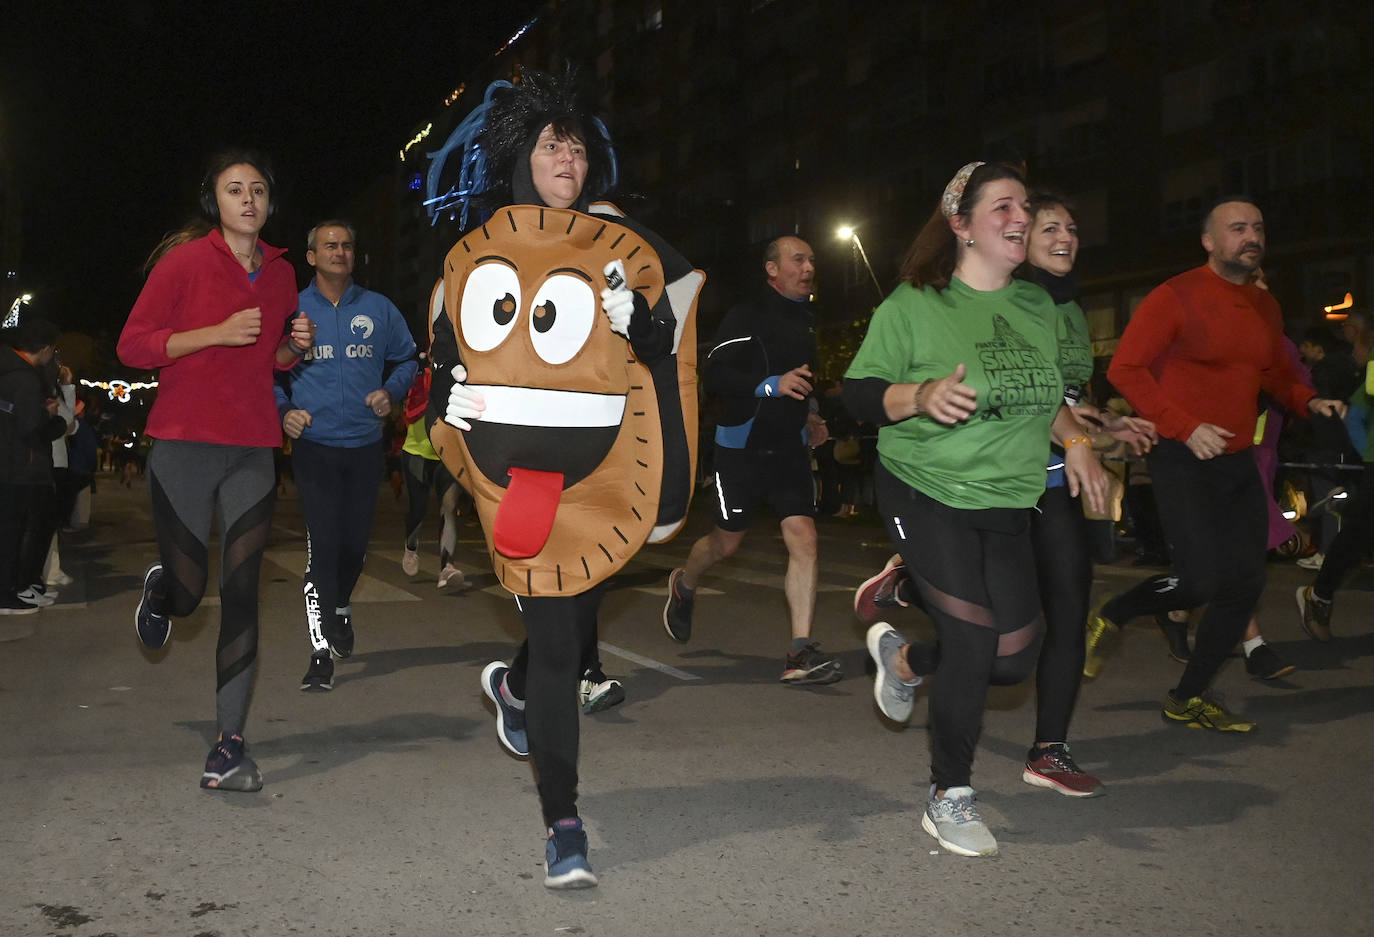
(649, 662)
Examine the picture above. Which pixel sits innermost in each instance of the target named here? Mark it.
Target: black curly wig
(513, 123)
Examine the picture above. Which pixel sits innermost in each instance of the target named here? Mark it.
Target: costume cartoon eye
(491, 299)
(561, 317)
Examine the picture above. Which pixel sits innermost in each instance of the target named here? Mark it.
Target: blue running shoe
(153, 630)
(565, 856)
(510, 722)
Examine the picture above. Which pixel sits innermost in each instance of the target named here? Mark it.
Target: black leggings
(1357, 529)
(189, 483)
(545, 673)
(419, 478)
(421, 474)
(1060, 538)
(338, 489)
(1215, 515)
(37, 537)
(975, 571)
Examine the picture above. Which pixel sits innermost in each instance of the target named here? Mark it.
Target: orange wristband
(1077, 441)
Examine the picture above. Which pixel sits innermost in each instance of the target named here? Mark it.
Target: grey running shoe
(955, 823)
(677, 611)
(1314, 615)
(410, 562)
(892, 694)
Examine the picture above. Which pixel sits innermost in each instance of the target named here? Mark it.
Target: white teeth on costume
(536, 406)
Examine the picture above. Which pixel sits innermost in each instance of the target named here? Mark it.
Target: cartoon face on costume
(566, 463)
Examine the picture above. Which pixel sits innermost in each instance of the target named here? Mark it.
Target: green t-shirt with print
(1075, 345)
(1007, 340)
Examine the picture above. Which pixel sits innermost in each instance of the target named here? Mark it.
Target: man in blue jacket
(333, 405)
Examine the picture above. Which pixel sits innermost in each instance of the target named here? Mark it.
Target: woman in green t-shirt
(1058, 531)
(961, 369)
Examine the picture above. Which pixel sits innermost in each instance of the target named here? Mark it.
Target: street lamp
(847, 233)
(12, 317)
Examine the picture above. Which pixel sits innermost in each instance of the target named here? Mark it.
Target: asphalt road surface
(717, 801)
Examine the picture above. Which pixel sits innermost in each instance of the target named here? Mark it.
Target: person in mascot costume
(564, 401)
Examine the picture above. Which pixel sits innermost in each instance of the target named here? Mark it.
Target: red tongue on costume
(525, 515)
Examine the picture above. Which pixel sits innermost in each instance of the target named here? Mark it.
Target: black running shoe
(1176, 633)
(153, 630)
(1265, 663)
(810, 666)
(677, 612)
(11, 604)
(341, 641)
(229, 768)
(320, 676)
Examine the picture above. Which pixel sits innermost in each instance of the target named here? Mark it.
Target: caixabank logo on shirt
(1021, 381)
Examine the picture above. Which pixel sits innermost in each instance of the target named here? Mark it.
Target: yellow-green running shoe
(1200, 712)
(1099, 626)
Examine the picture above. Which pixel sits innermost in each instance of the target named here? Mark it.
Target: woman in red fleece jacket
(216, 317)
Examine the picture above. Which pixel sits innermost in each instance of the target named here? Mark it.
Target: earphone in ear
(209, 203)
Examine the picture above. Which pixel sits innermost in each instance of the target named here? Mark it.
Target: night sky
(109, 111)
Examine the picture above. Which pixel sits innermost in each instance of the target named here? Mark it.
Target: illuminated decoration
(12, 317)
(1334, 313)
(416, 139)
(517, 34)
(118, 390)
(417, 182)
(455, 94)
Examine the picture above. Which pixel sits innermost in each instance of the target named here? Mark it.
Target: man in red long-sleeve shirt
(1193, 359)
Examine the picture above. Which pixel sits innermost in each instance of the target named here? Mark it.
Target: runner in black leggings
(216, 316)
(190, 482)
(962, 370)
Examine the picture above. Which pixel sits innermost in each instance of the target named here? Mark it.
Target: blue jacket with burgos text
(355, 341)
